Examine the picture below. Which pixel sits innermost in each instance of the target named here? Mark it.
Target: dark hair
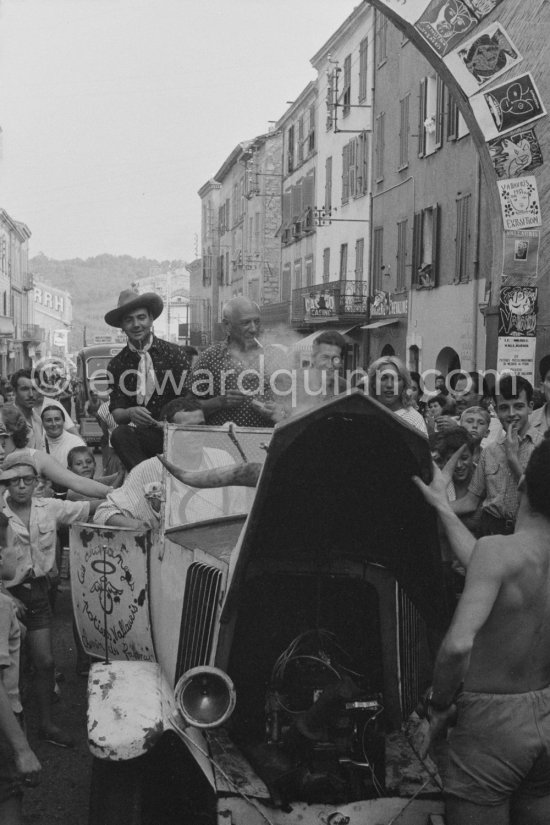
(15, 424)
(189, 350)
(511, 386)
(537, 479)
(187, 403)
(544, 366)
(439, 399)
(80, 450)
(446, 444)
(53, 407)
(332, 337)
(19, 374)
(415, 376)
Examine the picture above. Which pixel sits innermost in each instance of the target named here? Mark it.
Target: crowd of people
(482, 442)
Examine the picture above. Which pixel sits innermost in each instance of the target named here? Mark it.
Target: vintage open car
(258, 655)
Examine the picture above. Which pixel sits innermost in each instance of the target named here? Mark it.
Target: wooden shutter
(345, 173)
(439, 109)
(436, 225)
(418, 227)
(422, 103)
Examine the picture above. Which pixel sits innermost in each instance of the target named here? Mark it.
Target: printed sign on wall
(517, 311)
(521, 253)
(483, 58)
(515, 154)
(445, 23)
(508, 106)
(519, 201)
(481, 8)
(517, 356)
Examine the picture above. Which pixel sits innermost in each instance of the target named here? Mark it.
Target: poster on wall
(521, 253)
(519, 202)
(445, 23)
(482, 58)
(517, 356)
(481, 8)
(517, 311)
(515, 154)
(508, 106)
(409, 10)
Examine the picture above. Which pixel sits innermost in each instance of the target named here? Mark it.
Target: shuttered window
(328, 183)
(290, 150)
(352, 167)
(343, 261)
(326, 264)
(402, 254)
(426, 264)
(363, 68)
(452, 117)
(308, 192)
(345, 173)
(439, 112)
(380, 128)
(301, 140)
(377, 258)
(346, 91)
(381, 37)
(404, 131)
(285, 283)
(422, 104)
(359, 256)
(310, 274)
(462, 242)
(297, 273)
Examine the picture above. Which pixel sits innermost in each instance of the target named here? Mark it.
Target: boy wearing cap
(34, 523)
(145, 375)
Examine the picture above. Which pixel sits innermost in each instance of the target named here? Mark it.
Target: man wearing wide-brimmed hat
(146, 375)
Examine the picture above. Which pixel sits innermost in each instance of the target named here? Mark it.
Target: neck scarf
(146, 373)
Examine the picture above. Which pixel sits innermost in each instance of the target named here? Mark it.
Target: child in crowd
(34, 523)
(436, 407)
(81, 461)
(476, 420)
(19, 766)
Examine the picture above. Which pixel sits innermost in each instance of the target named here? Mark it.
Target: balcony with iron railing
(334, 301)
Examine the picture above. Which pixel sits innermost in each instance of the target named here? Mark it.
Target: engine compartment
(307, 665)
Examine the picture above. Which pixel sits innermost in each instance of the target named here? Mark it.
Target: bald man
(232, 378)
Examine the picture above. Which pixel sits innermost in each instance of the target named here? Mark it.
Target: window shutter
(352, 166)
(296, 201)
(345, 173)
(422, 117)
(287, 202)
(308, 192)
(436, 221)
(417, 245)
(439, 108)
(328, 183)
(452, 117)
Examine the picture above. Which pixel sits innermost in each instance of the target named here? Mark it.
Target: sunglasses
(27, 481)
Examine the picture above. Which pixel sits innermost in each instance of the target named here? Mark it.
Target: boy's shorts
(11, 783)
(499, 748)
(34, 595)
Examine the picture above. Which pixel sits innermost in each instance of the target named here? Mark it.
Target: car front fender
(129, 707)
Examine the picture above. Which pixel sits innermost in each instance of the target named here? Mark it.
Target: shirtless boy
(493, 668)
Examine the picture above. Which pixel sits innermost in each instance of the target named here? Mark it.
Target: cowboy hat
(130, 300)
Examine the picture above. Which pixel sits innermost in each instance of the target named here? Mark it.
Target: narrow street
(62, 796)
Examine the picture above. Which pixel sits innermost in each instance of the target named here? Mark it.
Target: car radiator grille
(200, 602)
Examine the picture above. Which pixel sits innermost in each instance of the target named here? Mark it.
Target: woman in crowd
(389, 382)
(58, 442)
